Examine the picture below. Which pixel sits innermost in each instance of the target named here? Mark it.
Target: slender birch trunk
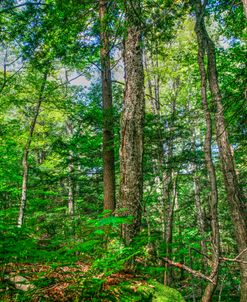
(108, 121)
(25, 156)
(71, 204)
(71, 168)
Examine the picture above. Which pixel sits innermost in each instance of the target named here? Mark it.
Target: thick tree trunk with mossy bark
(131, 149)
(25, 156)
(108, 121)
(235, 196)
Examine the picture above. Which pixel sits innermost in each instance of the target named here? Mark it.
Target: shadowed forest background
(123, 148)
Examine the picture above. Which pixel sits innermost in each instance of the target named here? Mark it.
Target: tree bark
(169, 229)
(108, 120)
(245, 6)
(131, 149)
(71, 204)
(25, 156)
(169, 185)
(234, 194)
(200, 216)
(71, 168)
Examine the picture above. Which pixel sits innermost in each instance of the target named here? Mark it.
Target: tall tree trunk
(131, 149)
(234, 194)
(161, 179)
(149, 84)
(108, 121)
(169, 197)
(169, 230)
(71, 168)
(209, 291)
(245, 6)
(71, 203)
(200, 216)
(155, 66)
(179, 231)
(25, 156)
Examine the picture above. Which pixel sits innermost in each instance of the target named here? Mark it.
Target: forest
(123, 150)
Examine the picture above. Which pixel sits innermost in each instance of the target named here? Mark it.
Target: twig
(240, 254)
(236, 259)
(232, 260)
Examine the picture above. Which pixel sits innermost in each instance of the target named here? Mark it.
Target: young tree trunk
(149, 84)
(108, 121)
(234, 194)
(170, 185)
(71, 168)
(25, 156)
(131, 149)
(155, 66)
(169, 230)
(245, 6)
(209, 291)
(200, 216)
(71, 204)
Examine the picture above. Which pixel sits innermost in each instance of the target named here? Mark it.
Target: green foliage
(82, 256)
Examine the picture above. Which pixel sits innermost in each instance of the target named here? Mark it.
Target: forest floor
(60, 282)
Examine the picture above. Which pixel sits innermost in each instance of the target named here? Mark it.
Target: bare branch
(240, 254)
(236, 259)
(232, 260)
(197, 274)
